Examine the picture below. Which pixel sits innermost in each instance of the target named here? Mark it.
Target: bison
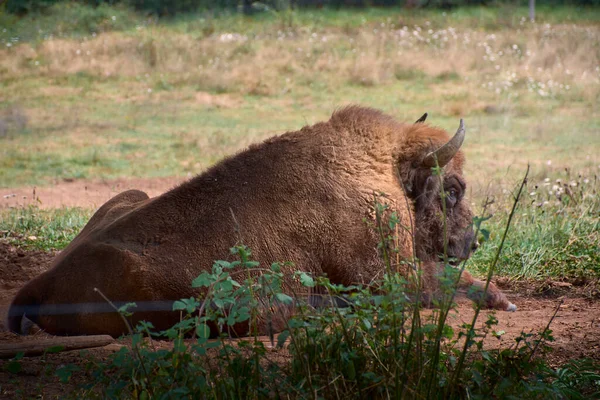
(302, 197)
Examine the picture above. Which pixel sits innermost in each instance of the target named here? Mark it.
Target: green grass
(33, 228)
(555, 233)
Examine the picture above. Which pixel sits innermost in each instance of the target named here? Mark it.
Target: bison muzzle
(302, 197)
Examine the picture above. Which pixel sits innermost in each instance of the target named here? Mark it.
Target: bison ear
(422, 119)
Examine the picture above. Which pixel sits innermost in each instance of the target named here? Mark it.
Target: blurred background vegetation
(169, 7)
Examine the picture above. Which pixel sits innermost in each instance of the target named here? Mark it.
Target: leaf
(283, 298)
(282, 337)
(124, 309)
(55, 349)
(189, 305)
(366, 323)
(243, 314)
(498, 334)
(136, 340)
(378, 300)
(14, 367)
(485, 233)
(222, 264)
(231, 319)
(306, 280)
(178, 305)
(226, 286)
(447, 332)
(145, 326)
(64, 373)
(204, 279)
(179, 345)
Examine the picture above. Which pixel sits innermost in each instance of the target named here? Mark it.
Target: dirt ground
(576, 328)
(82, 193)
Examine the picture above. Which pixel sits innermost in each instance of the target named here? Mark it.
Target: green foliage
(58, 18)
(14, 366)
(374, 348)
(167, 7)
(171, 8)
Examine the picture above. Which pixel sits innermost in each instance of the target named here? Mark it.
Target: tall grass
(558, 233)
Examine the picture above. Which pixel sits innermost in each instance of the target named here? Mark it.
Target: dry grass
(548, 59)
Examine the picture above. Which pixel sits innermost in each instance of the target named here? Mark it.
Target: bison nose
(475, 245)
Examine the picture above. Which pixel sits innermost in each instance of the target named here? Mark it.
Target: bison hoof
(511, 307)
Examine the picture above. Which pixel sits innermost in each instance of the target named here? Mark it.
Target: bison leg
(494, 297)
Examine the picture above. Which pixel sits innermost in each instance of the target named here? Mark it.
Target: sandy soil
(576, 327)
(82, 193)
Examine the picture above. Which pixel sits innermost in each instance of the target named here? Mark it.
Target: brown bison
(302, 196)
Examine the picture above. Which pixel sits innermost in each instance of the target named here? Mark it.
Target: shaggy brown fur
(301, 197)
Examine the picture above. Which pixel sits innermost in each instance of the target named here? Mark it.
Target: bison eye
(452, 196)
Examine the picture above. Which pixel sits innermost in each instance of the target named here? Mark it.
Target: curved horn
(422, 119)
(444, 154)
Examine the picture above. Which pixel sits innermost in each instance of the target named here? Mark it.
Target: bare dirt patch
(82, 193)
(222, 100)
(18, 266)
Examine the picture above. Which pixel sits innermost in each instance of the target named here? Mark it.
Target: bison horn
(444, 154)
(422, 119)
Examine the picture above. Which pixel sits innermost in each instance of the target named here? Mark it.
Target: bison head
(434, 181)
